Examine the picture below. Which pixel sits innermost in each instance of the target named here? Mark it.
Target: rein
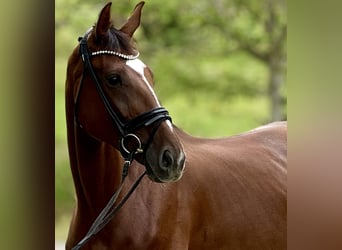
(126, 129)
(108, 212)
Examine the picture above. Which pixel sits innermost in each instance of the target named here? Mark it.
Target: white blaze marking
(138, 66)
(169, 124)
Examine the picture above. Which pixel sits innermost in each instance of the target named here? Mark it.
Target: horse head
(115, 102)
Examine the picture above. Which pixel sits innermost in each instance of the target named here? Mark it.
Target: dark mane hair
(117, 41)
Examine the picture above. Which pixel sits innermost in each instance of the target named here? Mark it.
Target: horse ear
(133, 21)
(104, 22)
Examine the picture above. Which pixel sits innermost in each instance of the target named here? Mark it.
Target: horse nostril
(166, 160)
(181, 161)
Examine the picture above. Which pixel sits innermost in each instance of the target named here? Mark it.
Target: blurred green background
(219, 67)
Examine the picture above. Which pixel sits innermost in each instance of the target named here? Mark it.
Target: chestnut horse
(227, 193)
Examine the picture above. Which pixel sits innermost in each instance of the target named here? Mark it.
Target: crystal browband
(115, 53)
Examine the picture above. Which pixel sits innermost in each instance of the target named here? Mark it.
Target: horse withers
(227, 193)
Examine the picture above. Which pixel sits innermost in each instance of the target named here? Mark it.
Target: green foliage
(210, 86)
(220, 77)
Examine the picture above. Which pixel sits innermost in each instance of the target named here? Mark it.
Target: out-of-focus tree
(211, 28)
(259, 28)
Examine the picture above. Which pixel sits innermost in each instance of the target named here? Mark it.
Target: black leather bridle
(125, 129)
(126, 132)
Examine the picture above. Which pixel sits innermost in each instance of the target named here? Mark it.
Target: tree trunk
(276, 79)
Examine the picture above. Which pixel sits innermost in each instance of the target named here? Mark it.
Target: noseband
(125, 129)
(126, 133)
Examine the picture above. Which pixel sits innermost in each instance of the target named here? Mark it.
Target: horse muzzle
(166, 166)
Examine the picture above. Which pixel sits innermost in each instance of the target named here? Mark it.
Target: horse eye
(114, 80)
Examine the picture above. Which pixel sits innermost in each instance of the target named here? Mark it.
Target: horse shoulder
(237, 188)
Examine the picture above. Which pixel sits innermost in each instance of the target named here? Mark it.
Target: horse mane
(117, 41)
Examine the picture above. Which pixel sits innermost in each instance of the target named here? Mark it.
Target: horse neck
(184, 137)
(97, 171)
(96, 166)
